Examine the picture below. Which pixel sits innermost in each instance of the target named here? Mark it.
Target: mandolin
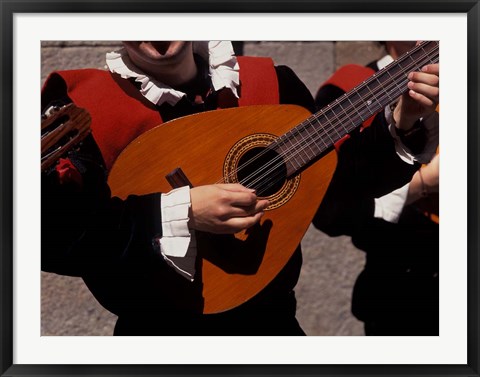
(282, 151)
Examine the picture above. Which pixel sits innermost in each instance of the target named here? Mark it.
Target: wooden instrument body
(234, 271)
(62, 131)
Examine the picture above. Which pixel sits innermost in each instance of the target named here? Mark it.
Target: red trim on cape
(120, 113)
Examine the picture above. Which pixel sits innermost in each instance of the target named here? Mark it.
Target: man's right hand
(224, 208)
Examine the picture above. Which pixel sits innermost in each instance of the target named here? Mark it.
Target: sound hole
(262, 169)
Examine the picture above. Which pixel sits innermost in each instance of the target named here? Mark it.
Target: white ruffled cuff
(389, 207)
(177, 244)
(431, 128)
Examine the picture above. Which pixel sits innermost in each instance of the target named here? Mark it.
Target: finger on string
(242, 211)
(242, 199)
(431, 68)
(427, 90)
(260, 205)
(239, 223)
(236, 187)
(424, 78)
(421, 99)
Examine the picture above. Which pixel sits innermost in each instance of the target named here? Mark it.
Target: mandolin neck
(316, 135)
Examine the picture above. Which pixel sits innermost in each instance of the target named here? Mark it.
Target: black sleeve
(327, 94)
(368, 167)
(84, 229)
(292, 90)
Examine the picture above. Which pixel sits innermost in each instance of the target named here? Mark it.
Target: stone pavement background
(330, 266)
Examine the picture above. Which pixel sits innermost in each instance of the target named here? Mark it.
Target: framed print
(34, 342)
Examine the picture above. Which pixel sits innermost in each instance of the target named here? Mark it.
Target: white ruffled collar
(222, 63)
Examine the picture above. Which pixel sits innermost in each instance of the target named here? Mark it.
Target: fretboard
(317, 134)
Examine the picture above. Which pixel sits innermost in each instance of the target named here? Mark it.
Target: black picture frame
(9, 8)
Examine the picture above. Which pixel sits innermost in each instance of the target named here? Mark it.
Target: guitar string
(297, 131)
(277, 176)
(326, 130)
(260, 189)
(266, 184)
(269, 183)
(305, 141)
(385, 94)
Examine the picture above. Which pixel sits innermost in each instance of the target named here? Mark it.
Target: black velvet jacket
(108, 241)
